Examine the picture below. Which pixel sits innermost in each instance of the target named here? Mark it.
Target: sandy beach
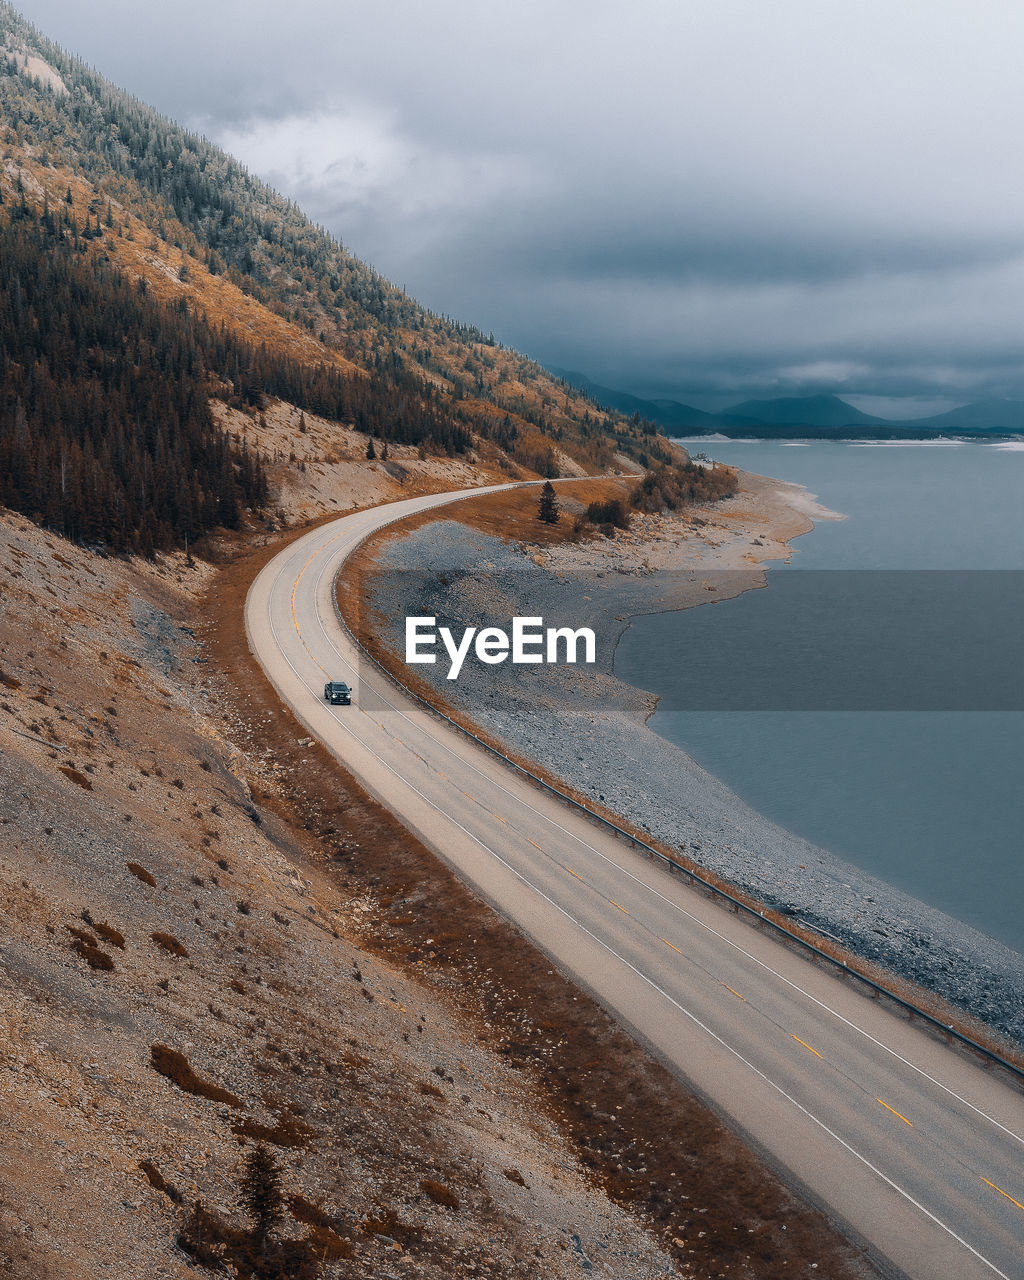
(590, 729)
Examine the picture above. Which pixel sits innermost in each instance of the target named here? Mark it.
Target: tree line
(106, 434)
(194, 196)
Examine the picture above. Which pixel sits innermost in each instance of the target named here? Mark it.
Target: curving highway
(914, 1148)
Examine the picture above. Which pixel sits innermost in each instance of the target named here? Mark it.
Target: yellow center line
(573, 873)
(295, 620)
(443, 775)
(744, 999)
(896, 1113)
(669, 944)
(621, 908)
(535, 844)
(807, 1046)
(1003, 1193)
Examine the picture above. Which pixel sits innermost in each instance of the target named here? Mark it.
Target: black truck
(337, 693)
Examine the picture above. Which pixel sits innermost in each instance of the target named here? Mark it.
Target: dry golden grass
(510, 515)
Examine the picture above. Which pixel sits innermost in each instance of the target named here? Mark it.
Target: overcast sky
(710, 199)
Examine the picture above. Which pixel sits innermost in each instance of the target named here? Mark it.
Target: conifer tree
(261, 1192)
(547, 509)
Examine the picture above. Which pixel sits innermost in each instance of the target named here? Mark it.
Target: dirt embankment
(213, 936)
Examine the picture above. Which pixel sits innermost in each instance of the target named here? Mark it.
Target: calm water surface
(930, 800)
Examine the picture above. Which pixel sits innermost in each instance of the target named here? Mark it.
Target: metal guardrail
(989, 1056)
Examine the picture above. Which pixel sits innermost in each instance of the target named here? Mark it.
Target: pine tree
(371, 452)
(547, 509)
(261, 1192)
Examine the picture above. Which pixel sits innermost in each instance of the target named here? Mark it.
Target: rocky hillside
(214, 940)
(181, 976)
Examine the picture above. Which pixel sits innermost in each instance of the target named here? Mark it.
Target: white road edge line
(680, 909)
(653, 985)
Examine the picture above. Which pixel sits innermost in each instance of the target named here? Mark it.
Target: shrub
(74, 776)
(610, 512)
(201, 1239)
(303, 1210)
(106, 931)
(439, 1193)
(668, 488)
(388, 1223)
(176, 1067)
(327, 1245)
(216, 1245)
(92, 955)
(169, 943)
(289, 1131)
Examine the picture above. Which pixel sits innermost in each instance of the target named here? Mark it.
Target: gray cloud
(707, 196)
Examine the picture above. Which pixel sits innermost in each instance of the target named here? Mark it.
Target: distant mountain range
(819, 417)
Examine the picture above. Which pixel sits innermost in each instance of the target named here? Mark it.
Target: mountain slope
(981, 415)
(825, 417)
(671, 415)
(805, 411)
(213, 242)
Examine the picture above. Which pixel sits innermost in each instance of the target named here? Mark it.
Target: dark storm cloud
(711, 195)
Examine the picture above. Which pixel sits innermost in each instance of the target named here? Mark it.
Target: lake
(909, 761)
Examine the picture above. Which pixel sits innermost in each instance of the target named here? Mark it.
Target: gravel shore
(589, 728)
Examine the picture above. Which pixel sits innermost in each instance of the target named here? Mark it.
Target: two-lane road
(917, 1149)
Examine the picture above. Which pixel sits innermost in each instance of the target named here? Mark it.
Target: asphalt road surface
(915, 1148)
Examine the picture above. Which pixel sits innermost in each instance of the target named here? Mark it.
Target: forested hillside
(106, 433)
(245, 298)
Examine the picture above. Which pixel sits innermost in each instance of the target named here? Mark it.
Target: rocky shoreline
(589, 728)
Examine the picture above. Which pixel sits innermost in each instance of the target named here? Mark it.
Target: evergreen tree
(261, 1192)
(547, 509)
